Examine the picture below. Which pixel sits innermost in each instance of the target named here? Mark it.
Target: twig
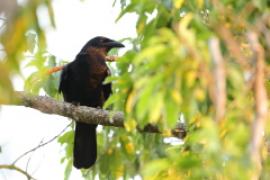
(233, 46)
(219, 79)
(260, 104)
(226, 34)
(55, 69)
(13, 167)
(27, 163)
(40, 145)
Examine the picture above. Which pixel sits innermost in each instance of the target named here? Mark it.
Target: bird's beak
(113, 44)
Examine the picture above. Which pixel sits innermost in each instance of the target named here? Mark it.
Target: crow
(81, 83)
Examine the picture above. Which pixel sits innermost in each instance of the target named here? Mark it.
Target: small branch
(260, 103)
(55, 69)
(13, 167)
(233, 46)
(85, 114)
(59, 68)
(40, 145)
(219, 79)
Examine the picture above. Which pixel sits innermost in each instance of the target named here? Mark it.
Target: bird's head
(102, 45)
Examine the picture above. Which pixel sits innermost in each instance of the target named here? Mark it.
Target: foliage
(17, 22)
(168, 72)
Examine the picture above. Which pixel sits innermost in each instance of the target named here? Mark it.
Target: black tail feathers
(85, 146)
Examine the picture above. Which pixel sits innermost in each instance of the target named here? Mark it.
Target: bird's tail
(85, 145)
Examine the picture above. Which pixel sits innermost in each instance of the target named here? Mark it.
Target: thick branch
(260, 104)
(85, 114)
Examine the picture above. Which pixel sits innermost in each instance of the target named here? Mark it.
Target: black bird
(82, 84)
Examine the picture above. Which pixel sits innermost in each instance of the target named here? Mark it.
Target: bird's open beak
(113, 44)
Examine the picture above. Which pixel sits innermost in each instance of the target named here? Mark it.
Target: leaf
(130, 125)
(183, 28)
(190, 78)
(66, 137)
(110, 79)
(35, 82)
(51, 84)
(110, 101)
(200, 3)
(31, 41)
(50, 12)
(129, 8)
(68, 170)
(176, 96)
(155, 167)
(172, 112)
(156, 108)
(143, 105)
(178, 3)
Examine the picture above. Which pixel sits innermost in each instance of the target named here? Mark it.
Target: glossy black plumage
(82, 84)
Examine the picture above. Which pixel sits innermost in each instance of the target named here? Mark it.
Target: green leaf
(153, 168)
(68, 170)
(172, 112)
(67, 137)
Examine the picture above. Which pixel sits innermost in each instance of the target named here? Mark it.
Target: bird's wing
(74, 78)
(82, 81)
(107, 88)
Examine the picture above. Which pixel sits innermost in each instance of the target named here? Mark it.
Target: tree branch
(85, 114)
(260, 104)
(40, 145)
(219, 78)
(13, 167)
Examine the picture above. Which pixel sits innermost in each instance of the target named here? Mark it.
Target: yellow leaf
(200, 3)
(184, 32)
(130, 125)
(140, 27)
(129, 148)
(119, 171)
(223, 132)
(191, 77)
(176, 96)
(199, 94)
(185, 21)
(167, 133)
(156, 109)
(130, 102)
(178, 3)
